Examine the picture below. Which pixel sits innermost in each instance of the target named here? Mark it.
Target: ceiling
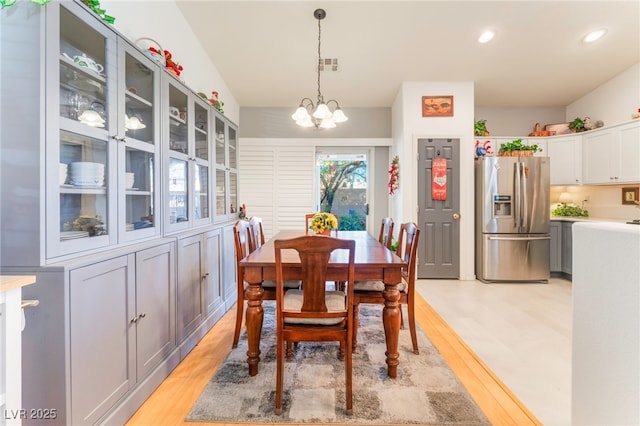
(266, 51)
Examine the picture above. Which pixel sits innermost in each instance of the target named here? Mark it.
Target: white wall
(412, 126)
(163, 22)
(613, 102)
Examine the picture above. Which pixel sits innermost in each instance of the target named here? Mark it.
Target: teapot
(86, 62)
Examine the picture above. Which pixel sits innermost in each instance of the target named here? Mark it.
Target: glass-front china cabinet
(226, 142)
(103, 188)
(188, 126)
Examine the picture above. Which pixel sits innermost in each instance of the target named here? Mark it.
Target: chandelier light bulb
(327, 123)
(300, 113)
(322, 111)
(338, 116)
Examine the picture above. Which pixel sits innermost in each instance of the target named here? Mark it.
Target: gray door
(439, 250)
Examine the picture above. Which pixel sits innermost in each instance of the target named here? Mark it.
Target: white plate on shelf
(71, 235)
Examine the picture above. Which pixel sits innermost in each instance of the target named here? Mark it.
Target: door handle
(456, 216)
(366, 209)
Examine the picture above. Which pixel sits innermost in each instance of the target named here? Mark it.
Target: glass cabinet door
(139, 116)
(201, 202)
(221, 166)
(233, 171)
(189, 157)
(81, 160)
(176, 114)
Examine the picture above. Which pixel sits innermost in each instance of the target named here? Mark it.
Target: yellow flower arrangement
(324, 222)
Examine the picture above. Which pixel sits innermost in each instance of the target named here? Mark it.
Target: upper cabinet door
(188, 160)
(138, 144)
(81, 118)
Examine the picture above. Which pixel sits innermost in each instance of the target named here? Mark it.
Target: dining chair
(313, 313)
(256, 233)
(242, 236)
(371, 291)
(386, 232)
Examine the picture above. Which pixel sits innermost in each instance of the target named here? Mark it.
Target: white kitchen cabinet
(610, 155)
(566, 159)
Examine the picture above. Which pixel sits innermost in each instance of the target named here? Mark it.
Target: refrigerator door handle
(516, 184)
(525, 204)
(519, 238)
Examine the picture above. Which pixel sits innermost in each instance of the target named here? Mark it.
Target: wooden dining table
(373, 261)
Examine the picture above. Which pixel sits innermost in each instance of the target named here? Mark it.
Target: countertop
(10, 282)
(588, 219)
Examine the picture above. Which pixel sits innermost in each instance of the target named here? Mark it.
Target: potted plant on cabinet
(577, 125)
(480, 128)
(516, 148)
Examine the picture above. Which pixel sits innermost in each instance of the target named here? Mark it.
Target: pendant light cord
(320, 99)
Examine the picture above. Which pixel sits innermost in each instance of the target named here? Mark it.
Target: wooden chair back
(386, 232)
(256, 233)
(312, 313)
(408, 251)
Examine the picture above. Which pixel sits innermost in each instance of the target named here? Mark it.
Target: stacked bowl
(84, 173)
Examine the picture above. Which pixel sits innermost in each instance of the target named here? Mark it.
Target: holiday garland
(394, 175)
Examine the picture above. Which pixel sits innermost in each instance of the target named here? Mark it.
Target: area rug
(425, 392)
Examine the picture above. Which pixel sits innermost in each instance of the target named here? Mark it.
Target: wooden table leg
(254, 318)
(391, 321)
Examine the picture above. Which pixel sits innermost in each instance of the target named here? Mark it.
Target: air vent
(328, 64)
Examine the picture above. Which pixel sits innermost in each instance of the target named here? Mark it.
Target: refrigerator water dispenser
(501, 205)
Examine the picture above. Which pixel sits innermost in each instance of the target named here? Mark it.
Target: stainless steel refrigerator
(512, 219)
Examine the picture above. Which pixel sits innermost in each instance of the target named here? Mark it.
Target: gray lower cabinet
(561, 248)
(555, 264)
(567, 248)
(121, 327)
(230, 292)
(200, 270)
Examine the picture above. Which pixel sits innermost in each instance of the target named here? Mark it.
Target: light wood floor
(172, 401)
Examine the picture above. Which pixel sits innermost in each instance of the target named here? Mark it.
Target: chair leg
(239, 312)
(348, 366)
(279, 373)
(289, 353)
(355, 326)
(341, 351)
(401, 318)
(412, 326)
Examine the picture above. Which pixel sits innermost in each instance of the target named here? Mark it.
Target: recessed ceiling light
(486, 36)
(594, 35)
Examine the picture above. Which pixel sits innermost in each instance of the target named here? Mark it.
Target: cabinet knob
(142, 315)
(134, 320)
(204, 277)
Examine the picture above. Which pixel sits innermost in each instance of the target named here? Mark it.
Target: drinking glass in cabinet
(201, 188)
(83, 190)
(178, 199)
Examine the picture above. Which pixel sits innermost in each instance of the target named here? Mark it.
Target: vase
(325, 232)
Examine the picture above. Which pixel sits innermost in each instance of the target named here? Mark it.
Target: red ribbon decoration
(439, 179)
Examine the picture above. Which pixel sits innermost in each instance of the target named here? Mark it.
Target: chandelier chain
(320, 100)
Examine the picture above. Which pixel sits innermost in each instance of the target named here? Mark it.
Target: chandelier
(318, 115)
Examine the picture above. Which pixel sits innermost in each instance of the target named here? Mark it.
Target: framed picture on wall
(437, 106)
(630, 196)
